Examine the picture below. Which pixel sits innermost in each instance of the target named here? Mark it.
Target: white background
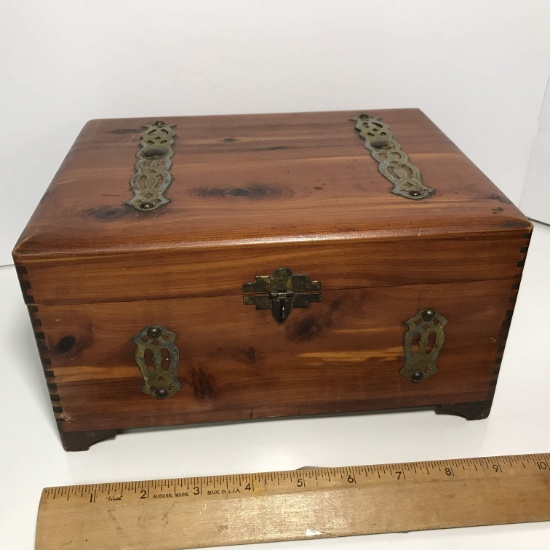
(478, 68)
(535, 197)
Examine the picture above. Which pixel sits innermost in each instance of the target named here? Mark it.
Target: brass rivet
(381, 144)
(147, 205)
(414, 193)
(153, 332)
(161, 394)
(416, 376)
(428, 314)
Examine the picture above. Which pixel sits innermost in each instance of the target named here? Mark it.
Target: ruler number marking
(490, 466)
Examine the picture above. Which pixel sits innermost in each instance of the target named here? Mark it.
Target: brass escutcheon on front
(422, 344)
(157, 359)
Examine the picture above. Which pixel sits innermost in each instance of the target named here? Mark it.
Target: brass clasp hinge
(281, 292)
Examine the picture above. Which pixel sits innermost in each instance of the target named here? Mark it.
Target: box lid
(264, 191)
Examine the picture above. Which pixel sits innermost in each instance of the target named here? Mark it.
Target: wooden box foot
(81, 441)
(470, 411)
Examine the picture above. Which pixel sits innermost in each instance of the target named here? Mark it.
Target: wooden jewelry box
(268, 265)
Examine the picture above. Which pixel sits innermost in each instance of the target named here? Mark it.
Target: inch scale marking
(200, 512)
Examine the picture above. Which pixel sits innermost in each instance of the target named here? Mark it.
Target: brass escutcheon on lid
(393, 163)
(152, 168)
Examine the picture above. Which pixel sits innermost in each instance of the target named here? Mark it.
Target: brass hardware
(393, 162)
(157, 359)
(152, 176)
(281, 292)
(422, 344)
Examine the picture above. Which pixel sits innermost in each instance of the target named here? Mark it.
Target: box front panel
(236, 362)
(348, 262)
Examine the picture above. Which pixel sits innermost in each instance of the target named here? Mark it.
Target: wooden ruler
(300, 504)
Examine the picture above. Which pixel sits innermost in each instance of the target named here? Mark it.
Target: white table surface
(31, 456)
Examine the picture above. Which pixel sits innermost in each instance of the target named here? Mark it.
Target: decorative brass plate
(152, 176)
(393, 162)
(281, 291)
(422, 343)
(157, 359)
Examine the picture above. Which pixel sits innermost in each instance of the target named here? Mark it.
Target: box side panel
(344, 353)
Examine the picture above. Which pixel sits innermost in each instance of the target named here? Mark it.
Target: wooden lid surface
(247, 180)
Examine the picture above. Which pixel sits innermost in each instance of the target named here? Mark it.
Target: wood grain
(222, 271)
(278, 506)
(344, 353)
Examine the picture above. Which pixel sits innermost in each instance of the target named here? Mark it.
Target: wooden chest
(268, 265)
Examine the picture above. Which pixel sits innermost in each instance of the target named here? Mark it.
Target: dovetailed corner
(507, 321)
(39, 336)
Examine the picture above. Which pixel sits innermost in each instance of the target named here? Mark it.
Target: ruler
(290, 505)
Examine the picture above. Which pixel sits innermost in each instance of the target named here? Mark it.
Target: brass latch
(281, 292)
